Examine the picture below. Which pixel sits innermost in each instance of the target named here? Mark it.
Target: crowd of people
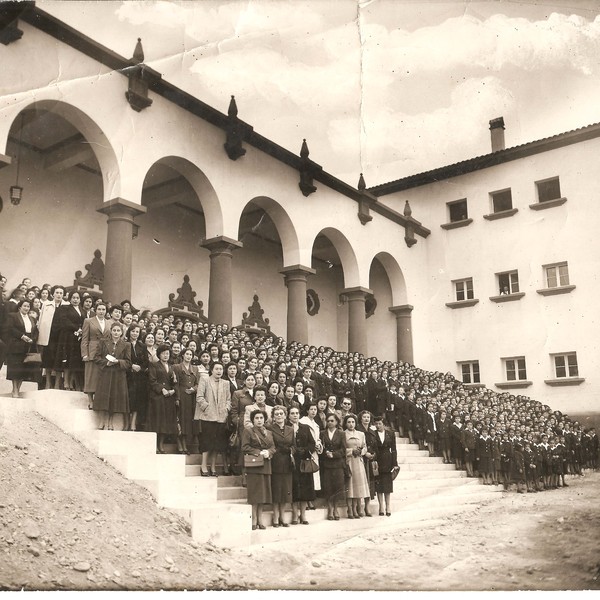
(296, 420)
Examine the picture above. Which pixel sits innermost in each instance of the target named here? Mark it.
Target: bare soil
(69, 521)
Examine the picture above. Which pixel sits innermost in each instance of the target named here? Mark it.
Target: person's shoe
(330, 518)
(275, 524)
(304, 522)
(261, 527)
(253, 527)
(204, 473)
(367, 513)
(283, 524)
(294, 522)
(336, 517)
(380, 514)
(388, 514)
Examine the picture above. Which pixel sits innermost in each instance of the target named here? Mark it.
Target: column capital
(356, 293)
(120, 205)
(221, 243)
(401, 310)
(297, 270)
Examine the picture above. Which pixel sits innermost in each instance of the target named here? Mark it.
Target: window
(501, 200)
(470, 371)
(548, 189)
(464, 289)
(515, 369)
(508, 283)
(457, 211)
(565, 365)
(557, 275)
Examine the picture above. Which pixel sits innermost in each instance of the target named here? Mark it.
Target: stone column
(297, 315)
(357, 320)
(220, 295)
(117, 259)
(404, 332)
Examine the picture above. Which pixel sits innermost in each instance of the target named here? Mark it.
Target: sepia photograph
(299, 295)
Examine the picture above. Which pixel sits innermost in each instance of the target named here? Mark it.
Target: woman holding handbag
(333, 459)
(281, 478)
(21, 334)
(258, 448)
(387, 461)
(303, 486)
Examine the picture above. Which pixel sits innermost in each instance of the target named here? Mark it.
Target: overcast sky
(386, 87)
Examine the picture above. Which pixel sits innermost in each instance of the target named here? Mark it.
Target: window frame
(542, 182)
(571, 371)
(557, 276)
(455, 203)
(495, 194)
(466, 289)
(473, 375)
(516, 369)
(510, 281)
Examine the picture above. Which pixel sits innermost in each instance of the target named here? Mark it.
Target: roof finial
(304, 150)
(138, 53)
(362, 186)
(233, 110)
(407, 210)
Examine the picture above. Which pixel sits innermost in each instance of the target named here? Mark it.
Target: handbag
(33, 358)
(253, 461)
(347, 471)
(233, 438)
(309, 465)
(375, 468)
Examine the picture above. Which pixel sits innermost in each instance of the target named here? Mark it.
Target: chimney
(497, 133)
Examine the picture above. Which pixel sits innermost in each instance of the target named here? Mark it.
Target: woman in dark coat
(387, 461)
(70, 318)
(20, 335)
(281, 464)
(113, 360)
(258, 441)
(137, 379)
(303, 484)
(162, 399)
(444, 435)
(333, 459)
(377, 394)
(187, 385)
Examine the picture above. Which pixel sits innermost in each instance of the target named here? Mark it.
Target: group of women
(196, 383)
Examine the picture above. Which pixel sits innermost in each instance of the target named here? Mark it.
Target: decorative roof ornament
(365, 202)
(9, 20)
(307, 171)
(236, 131)
(409, 229)
(140, 78)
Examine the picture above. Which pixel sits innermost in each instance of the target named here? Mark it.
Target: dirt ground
(68, 521)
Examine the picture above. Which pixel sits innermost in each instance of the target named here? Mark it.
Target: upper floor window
(557, 274)
(565, 365)
(464, 289)
(548, 189)
(470, 371)
(457, 211)
(508, 283)
(515, 368)
(501, 200)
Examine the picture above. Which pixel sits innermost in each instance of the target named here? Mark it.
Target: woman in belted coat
(137, 379)
(258, 441)
(387, 461)
(114, 360)
(20, 334)
(332, 461)
(281, 478)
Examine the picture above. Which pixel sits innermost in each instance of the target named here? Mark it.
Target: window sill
(473, 386)
(501, 214)
(547, 204)
(564, 381)
(457, 224)
(462, 303)
(509, 385)
(507, 297)
(560, 289)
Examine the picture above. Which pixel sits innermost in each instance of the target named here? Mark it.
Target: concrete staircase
(216, 508)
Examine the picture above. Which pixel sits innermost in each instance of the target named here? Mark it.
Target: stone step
(419, 459)
(231, 493)
(189, 490)
(147, 466)
(425, 466)
(406, 474)
(411, 450)
(119, 442)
